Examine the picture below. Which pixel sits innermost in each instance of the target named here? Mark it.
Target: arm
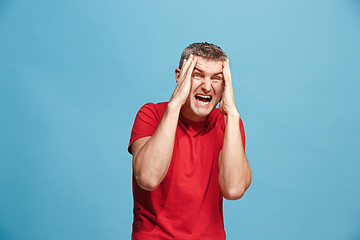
(152, 155)
(234, 169)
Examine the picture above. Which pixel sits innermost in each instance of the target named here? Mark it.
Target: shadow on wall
(356, 234)
(4, 235)
(356, 5)
(3, 5)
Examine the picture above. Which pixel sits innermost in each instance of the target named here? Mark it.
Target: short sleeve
(145, 124)
(242, 131)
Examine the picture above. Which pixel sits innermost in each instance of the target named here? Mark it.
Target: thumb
(221, 107)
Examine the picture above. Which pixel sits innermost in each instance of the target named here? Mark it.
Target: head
(206, 82)
(205, 50)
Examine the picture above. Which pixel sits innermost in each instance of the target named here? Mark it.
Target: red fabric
(188, 203)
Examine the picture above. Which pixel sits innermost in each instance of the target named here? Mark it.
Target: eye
(217, 78)
(196, 75)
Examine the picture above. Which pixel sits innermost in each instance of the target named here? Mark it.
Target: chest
(195, 153)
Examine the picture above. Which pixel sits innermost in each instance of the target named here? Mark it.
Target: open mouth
(203, 98)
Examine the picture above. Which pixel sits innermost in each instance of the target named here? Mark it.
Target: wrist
(173, 106)
(233, 115)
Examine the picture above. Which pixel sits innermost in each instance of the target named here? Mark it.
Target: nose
(206, 85)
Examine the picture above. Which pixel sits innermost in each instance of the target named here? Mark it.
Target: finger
(226, 71)
(182, 66)
(191, 68)
(186, 74)
(193, 63)
(186, 63)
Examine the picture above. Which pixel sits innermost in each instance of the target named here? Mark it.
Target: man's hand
(227, 104)
(152, 155)
(234, 169)
(183, 85)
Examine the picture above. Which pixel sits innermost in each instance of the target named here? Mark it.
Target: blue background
(74, 73)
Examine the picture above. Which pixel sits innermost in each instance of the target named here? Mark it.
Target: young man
(188, 154)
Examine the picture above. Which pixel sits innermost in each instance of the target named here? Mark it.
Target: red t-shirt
(188, 203)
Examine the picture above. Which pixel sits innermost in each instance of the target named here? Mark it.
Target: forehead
(208, 65)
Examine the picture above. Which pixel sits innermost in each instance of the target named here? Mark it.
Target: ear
(177, 74)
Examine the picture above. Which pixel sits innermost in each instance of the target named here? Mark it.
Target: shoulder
(154, 106)
(146, 121)
(153, 109)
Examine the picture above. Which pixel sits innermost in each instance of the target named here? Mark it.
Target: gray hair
(205, 50)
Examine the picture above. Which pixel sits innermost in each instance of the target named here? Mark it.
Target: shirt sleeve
(242, 131)
(145, 124)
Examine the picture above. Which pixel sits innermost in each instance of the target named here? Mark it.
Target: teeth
(203, 102)
(203, 96)
(203, 99)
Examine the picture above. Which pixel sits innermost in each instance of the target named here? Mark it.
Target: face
(206, 89)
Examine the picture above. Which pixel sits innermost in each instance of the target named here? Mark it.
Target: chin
(203, 111)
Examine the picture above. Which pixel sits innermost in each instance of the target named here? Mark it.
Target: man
(188, 154)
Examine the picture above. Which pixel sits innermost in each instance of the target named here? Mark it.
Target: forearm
(234, 169)
(152, 161)
(152, 156)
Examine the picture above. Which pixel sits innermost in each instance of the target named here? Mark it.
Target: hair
(205, 50)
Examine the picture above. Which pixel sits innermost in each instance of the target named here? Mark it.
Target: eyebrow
(198, 69)
(195, 68)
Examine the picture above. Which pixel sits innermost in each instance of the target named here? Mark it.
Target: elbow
(233, 194)
(144, 178)
(146, 183)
